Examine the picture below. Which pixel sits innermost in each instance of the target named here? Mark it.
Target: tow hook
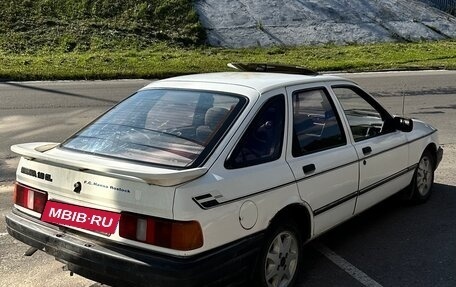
(30, 251)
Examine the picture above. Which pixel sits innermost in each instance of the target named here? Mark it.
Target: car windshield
(160, 126)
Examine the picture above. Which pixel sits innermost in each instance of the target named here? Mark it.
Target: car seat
(213, 119)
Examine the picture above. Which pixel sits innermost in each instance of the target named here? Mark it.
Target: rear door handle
(367, 150)
(308, 168)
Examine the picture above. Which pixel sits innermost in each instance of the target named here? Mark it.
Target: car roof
(261, 82)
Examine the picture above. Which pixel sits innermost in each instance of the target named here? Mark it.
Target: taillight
(29, 198)
(178, 235)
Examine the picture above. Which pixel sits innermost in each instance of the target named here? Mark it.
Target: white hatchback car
(215, 179)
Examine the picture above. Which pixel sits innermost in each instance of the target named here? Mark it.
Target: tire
(280, 257)
(423, 179)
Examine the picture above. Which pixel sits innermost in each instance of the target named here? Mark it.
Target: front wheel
(280, 257)
(423, 179)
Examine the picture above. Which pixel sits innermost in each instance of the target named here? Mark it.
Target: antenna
(404, 89)
(403, 103)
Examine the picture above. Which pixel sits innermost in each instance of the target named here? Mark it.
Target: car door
(382, 150)
(322, 159)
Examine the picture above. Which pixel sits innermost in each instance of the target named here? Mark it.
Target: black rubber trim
(388, 179)
(327, 170)
(362, 191)
(201, 205)
(204, 196)
(324, 208)
(398, 146)
(320, 173)
(335, 203)
(120, 265)
(210, 203)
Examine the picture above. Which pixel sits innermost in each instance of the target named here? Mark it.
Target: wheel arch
(300, 214)
(432, 149)
(294, 218)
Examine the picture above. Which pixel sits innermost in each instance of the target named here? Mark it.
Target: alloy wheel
(281, 261)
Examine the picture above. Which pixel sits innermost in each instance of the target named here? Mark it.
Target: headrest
(214, 116)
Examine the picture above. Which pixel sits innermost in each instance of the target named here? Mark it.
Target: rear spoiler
(45, 152)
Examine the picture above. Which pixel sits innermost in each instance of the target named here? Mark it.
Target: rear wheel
(423, 179)
(280, 257)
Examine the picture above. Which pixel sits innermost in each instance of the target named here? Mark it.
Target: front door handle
(367, 150)
(308, 168)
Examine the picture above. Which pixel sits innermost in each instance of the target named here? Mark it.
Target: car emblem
(77, 187)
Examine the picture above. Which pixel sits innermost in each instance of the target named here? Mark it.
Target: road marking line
(359, 275)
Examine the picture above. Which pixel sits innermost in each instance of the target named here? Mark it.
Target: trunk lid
(98, 182)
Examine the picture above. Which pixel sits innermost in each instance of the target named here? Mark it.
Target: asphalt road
(390, 245)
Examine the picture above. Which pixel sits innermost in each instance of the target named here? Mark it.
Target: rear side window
(165, 127)
(263, 140)
(316, 125)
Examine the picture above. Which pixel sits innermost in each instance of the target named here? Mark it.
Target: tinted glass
(166, 127)
(315, 123)
(262, 142)
(364, 119)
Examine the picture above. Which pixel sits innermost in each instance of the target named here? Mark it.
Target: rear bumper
(118, 265)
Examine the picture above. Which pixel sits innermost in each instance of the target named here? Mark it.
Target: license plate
(80, 217)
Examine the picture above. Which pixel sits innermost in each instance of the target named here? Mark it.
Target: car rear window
(161, 126)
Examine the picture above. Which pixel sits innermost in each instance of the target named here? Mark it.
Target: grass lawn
(163, 60)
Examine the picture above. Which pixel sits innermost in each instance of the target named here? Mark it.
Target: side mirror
(403, 124)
